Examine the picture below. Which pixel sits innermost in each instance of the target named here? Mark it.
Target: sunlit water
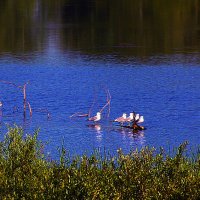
(70, 51)
(164, 89)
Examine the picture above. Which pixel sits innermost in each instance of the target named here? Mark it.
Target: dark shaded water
(70, 51)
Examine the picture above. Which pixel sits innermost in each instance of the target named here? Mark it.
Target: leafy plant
(26, 173)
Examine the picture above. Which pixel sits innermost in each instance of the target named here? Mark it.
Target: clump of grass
(25, 173)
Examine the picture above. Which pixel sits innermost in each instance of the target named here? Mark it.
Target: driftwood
(90, 110)
(108, 100)
(10, 83)
(30, 109)
(79, 114)
(26, 103)
(134, 127)
(23, 89)
(24, 100)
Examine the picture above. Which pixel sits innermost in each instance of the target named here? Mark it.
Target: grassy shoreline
(26, 173)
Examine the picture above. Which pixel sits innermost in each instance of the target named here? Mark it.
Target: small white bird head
(98, 114)
(131, 115)
(137, 116)
(124, 115)
(141, 119)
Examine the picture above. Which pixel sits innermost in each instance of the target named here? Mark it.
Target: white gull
(95, 118)
(121, 119)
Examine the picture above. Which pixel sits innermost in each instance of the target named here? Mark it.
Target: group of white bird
(123, 119)
(131, 118)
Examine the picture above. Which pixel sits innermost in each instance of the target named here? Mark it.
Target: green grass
(26, 173)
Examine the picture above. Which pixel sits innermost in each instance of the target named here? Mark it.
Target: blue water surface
(164, 89)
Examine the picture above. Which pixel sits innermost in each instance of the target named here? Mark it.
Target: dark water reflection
(146, 53)
(131, 27)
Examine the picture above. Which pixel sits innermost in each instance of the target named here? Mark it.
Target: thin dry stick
(89, 112)
(24, 93)
(107, 103)
(78, 114)
(109, 97)
(108, 100)
(10, 83)
(24, 101)
(30, 109)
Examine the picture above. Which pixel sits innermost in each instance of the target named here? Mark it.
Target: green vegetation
(25, 173)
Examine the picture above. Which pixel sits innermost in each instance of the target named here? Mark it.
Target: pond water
(69, 60)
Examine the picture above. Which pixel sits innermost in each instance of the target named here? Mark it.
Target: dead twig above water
(90, 110)
(23, 89)
(108, 101)
(30, 109)
(11, 83)
(26, 103)
(79, 114)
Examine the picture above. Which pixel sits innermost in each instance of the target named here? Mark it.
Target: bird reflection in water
(97, 128)
(139, 136)
(135, 136)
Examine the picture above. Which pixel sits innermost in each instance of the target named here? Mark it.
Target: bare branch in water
(24, 100)
(11, 83)
(79, 114)
(30, 109)
(108, 98)
(89, 112)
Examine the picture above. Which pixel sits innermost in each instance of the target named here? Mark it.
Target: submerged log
(135, 127)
